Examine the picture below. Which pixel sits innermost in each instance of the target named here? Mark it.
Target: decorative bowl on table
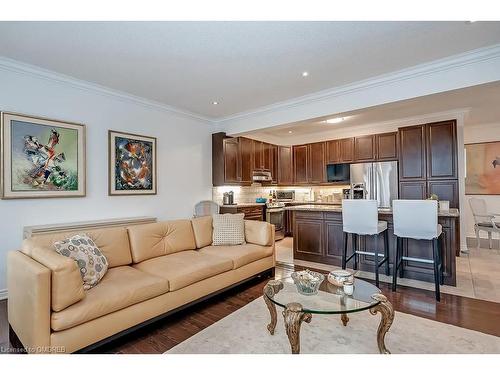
(307, 282)
(260, 200)
(338, 277)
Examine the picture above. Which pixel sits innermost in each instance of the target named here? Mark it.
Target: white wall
(475, 134)
(184, 157)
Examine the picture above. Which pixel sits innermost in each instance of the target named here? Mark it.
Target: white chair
(418, 220)
(205, 208)
(483, 220)
(360, 218)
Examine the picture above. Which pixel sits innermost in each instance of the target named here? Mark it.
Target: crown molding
(429, 68)
(18, 67)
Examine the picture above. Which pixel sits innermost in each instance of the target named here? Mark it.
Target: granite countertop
(243, 205)
(453, 212)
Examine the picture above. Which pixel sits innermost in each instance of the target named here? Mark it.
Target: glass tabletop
(330, 299)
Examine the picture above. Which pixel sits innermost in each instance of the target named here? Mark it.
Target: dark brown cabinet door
(387, 146)
(334, 242)
(441, 150)
(317, 165)
(332, 152)
(301, 164)
(446, 190)
(232, 160)
(285, 165)
(412, 190)
(258, 155)
(364, 148)
(267, 162)
(412, 155)
(346, 149)
(308, 238)
(274, 166)
(246, 155)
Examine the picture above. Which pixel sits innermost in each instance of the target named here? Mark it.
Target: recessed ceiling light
(305, 74)
(290, 132)
(335, 120)
(215, 102)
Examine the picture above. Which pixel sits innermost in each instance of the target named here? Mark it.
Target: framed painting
(41, 158)
(483, 168)
(132, 164)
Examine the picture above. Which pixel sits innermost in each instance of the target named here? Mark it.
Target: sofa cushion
(83, 250)
(185, 268)
(239, 254)
(113, 243)
(157, 239)
(119, 288)
(229, 229)
(259, 232)
(202, 228)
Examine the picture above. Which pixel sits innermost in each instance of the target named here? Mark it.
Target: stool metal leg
(436, 268)
(344, 252)
(386, 251)
(440, 254)
(354, 249)
(376, 262)
(404, 246)
(396, 263)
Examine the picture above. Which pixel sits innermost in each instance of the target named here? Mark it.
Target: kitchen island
(318, 237)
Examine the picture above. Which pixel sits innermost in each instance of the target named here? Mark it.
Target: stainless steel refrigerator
(379, 179)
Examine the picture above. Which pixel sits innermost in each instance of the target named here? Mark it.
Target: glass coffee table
(330, 299)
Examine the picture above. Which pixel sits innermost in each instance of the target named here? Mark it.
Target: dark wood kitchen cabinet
(232, 168)
(412, 155)
(246, 160)
(346, 150)
(258, 155)
(285, 165)
(386, 145)
(441, 150)
(274, 164)
(333, 152)
(446, 190)
(364, 148)
(267, 156)
(301, 164)
(412, 190)
(317, 163)
(252, 212)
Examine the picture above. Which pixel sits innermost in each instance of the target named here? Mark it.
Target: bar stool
(418, 220)
(360, 218)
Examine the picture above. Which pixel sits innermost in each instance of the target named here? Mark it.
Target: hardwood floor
(159, 337)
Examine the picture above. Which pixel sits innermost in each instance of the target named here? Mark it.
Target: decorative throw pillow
(229, 229)
(91, 262)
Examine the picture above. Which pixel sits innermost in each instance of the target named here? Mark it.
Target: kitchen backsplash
(248, 194)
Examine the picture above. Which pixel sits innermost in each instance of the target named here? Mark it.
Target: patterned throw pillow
(229, 229)
(92, 263)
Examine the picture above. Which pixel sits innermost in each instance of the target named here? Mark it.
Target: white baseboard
(3, 294)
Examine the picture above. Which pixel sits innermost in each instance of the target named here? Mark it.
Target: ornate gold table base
(294, 316)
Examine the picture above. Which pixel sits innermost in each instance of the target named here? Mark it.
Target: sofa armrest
(29, 301)
(259, 233)
(67, 282)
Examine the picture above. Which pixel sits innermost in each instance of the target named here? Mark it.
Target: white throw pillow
(91, 261)
(229, 229)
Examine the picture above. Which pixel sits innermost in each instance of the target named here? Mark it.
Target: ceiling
(241, 65)
(480, 102)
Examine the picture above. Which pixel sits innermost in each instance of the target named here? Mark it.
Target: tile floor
(478, 273)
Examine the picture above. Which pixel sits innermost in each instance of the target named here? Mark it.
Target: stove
(275, 214)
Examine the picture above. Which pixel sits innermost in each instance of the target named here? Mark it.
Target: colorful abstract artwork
(132, 164)
(483, 168)
(42, 158)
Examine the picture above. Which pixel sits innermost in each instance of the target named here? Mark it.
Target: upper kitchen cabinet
(267, 156)
(333, 152)
(364, 148)
(386, 145)
(346, 150)
(301, 164)
(285, 165)
(317, 163)
(412, 156)
(274, 164)
(246, 160)
(232, 167)
(441, 150)
(258, 155)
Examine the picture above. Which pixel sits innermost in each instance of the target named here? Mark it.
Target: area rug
(245, 332)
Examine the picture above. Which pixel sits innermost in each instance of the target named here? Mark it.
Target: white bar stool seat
(360, 218)
(417, 220)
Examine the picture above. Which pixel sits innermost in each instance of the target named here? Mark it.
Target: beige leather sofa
(154, 269)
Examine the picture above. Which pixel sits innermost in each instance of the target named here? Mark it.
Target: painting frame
(112, 188)
(7, 156)
(472, 186)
